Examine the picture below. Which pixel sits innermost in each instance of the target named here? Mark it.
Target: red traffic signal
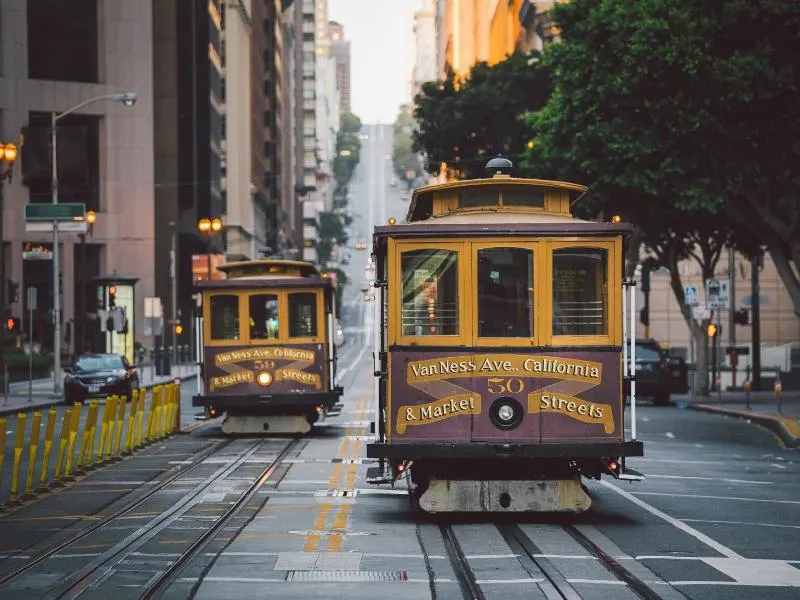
(10, 323)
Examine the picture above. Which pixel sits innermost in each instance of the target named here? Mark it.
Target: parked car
(653, 375)
(98, 376)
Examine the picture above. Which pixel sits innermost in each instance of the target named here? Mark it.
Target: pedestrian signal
(12, 324)
(112, 296)
(712, 330)
(178, 329)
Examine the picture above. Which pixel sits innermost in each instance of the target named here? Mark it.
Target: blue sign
(690, 295)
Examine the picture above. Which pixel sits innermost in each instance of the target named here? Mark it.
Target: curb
(58, 401)
(778, 425)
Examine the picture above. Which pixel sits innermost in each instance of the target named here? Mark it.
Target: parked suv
(653, 375)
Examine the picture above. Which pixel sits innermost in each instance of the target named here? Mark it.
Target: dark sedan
(99, 375)
(653, 377)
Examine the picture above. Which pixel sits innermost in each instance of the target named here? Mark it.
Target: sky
(381, 54)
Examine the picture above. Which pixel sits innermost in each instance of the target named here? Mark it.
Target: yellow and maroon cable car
(267, 346)
(503, 352)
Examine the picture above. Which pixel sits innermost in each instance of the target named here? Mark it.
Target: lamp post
(8, 155)
(173, 273)
(128, 99)
(209, 228)
(91, 217)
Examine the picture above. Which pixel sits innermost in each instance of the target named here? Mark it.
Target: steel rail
(180, 471)
(77, 583)
(458, 560)
(160, 584)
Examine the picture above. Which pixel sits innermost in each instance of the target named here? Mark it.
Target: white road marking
(740, 499)
(492, 555)
(698, 535)
(486, 581)
(346, 370)
(670, 435)
(596, 581)
(651, 476)
(777, 466)
(741, 523)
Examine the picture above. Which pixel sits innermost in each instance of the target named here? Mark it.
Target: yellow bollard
(73, 434)
(33, 452)
(151, 417)
(62, 446)
(177, 416)
(83, 447)
(140, 432)
(103, 431)
(131, 424)
(120, 424)
(18, 449)
(94, 411)
(167, 409)
(86, 456)
(3, 426)
(158, 392)
(112, 412)
(49, 434)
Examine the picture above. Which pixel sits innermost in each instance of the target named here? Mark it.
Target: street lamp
(91, 218)
(209, 228)
(128, 99)
(8, 155)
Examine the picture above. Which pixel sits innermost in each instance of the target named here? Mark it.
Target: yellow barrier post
(19, 446)
(3, 426)
(33, 453)
(131, 424)
(112, 417)
(66, 422)
(49, 434)
(177, 416)
(73, 434)
(167, 410)
(86, 456)
(103, 431)
(151, 417)
(83, 445)
(140, 424)
(120, 424)
(159, 393)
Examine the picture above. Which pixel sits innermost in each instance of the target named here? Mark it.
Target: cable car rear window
(532, 198)
(263, 317)
(580, 291)
(224, 317)
(430, 292)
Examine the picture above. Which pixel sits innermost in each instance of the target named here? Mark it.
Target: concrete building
(53, 56)
(463, 28)
(327, 100)
(425, 66)
(292, 226)
(340, 47)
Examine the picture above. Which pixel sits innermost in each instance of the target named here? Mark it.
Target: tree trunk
(788, 275)
(702, 362)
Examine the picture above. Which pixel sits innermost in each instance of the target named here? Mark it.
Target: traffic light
(178, 328)
(741, 317)
(644, 315)
(112, 296)
(713, 330)
(12, 324)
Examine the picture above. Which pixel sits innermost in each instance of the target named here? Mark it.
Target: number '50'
(498, 385)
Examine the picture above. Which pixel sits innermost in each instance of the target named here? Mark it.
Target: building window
(224, 317)
(309, 94)
(580, 291)
(62, 40)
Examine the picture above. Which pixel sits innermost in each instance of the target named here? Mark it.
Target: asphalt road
(716, 517)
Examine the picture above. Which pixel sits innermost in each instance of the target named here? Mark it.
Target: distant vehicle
(393, 183)
(363, 136)
(653, 375)
(365, 286)
(339, 337)
(361, 245)
(404, 196)
(345, 260)
(98, 376)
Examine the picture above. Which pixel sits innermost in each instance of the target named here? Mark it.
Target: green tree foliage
(404, 158)
(463, 123)
(348, 152)
(653, 106)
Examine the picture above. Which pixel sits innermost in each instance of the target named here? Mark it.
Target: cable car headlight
(506, 413)
(264, 378)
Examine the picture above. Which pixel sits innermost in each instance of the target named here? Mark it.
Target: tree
(628, 114)
(348, 154)
(464, 122)
(349, 123)
(404, 158)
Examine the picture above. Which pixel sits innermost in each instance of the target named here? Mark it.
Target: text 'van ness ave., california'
(493, 364)
(235, 356)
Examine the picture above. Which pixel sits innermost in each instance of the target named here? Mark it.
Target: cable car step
(377, 476)
(631, 475)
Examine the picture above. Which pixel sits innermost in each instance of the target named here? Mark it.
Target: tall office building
(425, 67)
(340, 47)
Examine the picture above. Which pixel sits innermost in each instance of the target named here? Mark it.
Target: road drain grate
(344, 576)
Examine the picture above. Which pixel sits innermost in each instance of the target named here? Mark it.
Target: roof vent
(499, 167)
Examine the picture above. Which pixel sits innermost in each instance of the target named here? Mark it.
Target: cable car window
(224, 317)
(263, 317)
(302, 315)
(580, 291)
(533, 198)
(505, 292)
(479, 197)
(430, 292)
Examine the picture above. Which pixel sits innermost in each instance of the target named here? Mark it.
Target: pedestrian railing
(87, 439)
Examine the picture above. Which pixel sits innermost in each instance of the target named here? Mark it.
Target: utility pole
(173, 272)
(755, 295)
(732, 313)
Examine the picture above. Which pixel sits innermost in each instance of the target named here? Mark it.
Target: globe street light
(209, 228)
(80, 343)
(128, 99)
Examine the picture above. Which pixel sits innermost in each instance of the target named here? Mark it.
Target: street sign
(152, 307)
(65, 226)
(701, 313)
(718, 294)
(154, 325)
(690, 295)
(32, 298)
(63, 211)
(31, 252)
(740, 350)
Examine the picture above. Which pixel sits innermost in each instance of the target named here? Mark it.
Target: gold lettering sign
(299, 376)
(575, 408)
(491, 365)
(267, 353)
(231, 379)
(424, 414)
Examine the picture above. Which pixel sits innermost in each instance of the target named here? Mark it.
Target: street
(717, 516)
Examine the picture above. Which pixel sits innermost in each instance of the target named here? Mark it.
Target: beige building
(53, 56)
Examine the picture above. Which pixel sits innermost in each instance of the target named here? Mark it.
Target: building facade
(425, 66)
(54, 56)
(340, 47)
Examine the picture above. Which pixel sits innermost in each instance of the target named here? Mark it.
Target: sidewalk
(783, 420)
(43, 396)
